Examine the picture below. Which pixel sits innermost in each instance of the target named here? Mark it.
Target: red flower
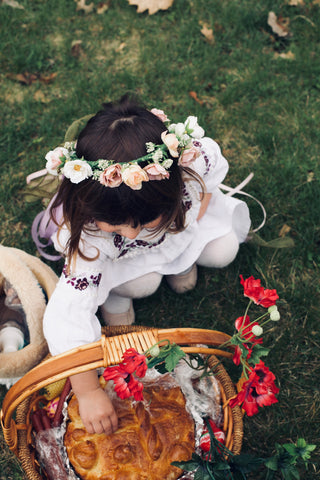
(258, 391)
(135, 388)
(205, 441)
(134, 362)
(238, 353)
(125, 385)
(247, 334)
(261, 296)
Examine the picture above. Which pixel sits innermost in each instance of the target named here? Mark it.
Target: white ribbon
(237, 190)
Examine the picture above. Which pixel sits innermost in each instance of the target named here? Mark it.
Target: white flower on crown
(157, 155)
(192, 127)
(167, 163)
(150, 147)
(54, 159)
(179, 129)
(77, 170)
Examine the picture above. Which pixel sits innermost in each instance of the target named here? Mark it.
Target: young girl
(141, 200)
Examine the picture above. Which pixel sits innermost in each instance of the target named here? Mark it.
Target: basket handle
(107, 351)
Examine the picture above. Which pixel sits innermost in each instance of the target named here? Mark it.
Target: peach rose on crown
(177, 140)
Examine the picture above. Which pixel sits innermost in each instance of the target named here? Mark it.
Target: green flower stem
(246, 313)
(245, 368)
(165, 347)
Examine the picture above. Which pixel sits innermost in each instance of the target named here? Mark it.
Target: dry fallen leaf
(76, 49)
(13, 4)
(81, 5)
(47, 78)
(39, 96)
(102, 7)
(295, 3)
(310, 176)
(28, 78)
(121, 47)
(195, 97)
(151, 5)
(207, 33)
(287, 56)
(278, 25)
(284, 230)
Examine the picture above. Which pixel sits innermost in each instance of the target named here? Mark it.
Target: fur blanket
(30, 277)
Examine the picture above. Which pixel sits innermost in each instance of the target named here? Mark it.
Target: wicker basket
(24, 396)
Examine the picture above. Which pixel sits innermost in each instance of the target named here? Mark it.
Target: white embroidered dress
(70, 319)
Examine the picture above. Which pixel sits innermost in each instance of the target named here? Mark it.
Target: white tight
(216, 254)
(119, 298)
(220, 252)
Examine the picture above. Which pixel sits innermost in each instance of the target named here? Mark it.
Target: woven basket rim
(233, 420)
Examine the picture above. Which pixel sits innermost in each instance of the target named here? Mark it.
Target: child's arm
(204, 204)
(95, 407)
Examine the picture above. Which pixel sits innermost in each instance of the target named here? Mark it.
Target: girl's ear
(75, 128)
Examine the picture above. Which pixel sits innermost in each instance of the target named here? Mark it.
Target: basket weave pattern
(24, 396)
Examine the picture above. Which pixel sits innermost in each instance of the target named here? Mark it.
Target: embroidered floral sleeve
(81, 282)
(211, 164)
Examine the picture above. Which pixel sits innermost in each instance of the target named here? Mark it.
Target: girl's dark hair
(119, 132)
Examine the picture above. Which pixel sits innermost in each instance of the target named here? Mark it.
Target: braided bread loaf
(151, 435)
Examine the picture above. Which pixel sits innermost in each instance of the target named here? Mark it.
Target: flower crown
(178, 140)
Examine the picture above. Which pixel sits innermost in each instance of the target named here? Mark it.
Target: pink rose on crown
(188, 156)
(171, 141)
(160, 114)
(111, 176)
(54, 159)
(133, 176)
(156, 171)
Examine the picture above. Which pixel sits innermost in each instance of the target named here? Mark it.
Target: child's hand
(97, 412)
(95, 407)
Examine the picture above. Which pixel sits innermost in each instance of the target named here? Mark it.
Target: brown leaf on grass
(28, 78)
(195, 97)
(279, 25)
(310, 176)
(295, 3)
(39, 96)
(102, 7)
(207, 33)
(121, 47)
(81, 5)
(286, 55)
(25, 78)
(76, 49)
(151, 5)
(47, 78)
(13, 4)
(284, 230)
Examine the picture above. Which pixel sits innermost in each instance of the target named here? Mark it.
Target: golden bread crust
(151, 435)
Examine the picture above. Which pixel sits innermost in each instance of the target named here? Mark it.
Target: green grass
(262, 109)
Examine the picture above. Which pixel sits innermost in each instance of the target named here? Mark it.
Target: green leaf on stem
(167, 359)
(257, 352)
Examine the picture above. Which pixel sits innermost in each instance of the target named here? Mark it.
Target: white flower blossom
(257, 330)
(171, 127)
(167, 163)
(77, 170)
(192, 127)
(274, 316)
(103, 164)
(180, 130)
(70, 145)
(150, 147)
(157, 155)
